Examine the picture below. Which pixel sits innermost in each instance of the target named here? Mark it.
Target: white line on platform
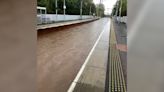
(71, 88)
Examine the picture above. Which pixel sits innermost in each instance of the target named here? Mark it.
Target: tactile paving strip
(116, 77)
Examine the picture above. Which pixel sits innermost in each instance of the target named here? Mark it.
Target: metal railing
(122, 19)
(52, 18)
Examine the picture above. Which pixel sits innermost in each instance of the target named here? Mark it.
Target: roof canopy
(42, 8)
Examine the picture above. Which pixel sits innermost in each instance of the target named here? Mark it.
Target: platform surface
(93, 77)
(59, 24)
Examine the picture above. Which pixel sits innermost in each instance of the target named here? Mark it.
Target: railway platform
(60, 24)
(81, 58)
(102, 71)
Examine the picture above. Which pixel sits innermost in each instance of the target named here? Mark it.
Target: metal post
(117, 9)
(90, 10)
(81, 9)
(46, 15)
(41, 15)
(120, 11)
(64, 7)
(100, 9)
(56, 5)
(98, 14)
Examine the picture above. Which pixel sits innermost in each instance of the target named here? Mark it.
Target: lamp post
(64, 7)
(90, 10)
(100, 9)
(117, 6)
(81, 9)
(120, 10)
(56, 5)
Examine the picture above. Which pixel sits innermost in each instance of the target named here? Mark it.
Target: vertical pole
(56, 5)
(46, 15)
(40, 11)
(81, 9)
(41, 16)
(90, 10)
(45, 11)
(64, 7)
(100, 9)
(117, 6)
(120, 10)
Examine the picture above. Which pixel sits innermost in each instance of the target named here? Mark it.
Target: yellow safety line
(124, 84)
(117, 81)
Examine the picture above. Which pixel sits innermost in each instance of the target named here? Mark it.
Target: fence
(122, 19)
(51, 18)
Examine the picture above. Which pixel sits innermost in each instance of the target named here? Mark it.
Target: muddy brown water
(62, 51)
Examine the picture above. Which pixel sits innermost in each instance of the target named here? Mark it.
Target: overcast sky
(108, 5)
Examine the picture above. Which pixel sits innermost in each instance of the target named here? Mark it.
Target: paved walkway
(63, 23)
(116, 74)
(92, 76)
(102, 71)
(121, 37)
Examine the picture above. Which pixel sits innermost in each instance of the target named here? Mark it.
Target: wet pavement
(121, 37)
(62, 51)
(94, 76)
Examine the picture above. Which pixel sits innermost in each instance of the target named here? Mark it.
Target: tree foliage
(72, 6)
(41, 3)
(100, 10)
(123, 8)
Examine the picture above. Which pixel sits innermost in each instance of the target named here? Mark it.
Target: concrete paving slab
(116, 78)
(93, 78)
(121, 38)
(99, 59)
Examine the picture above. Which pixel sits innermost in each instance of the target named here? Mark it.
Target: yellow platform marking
(117, 81)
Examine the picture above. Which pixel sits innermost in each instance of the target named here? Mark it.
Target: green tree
(50, 5)
(100, 9)
(72, 6)
(93, 8)
(123, 8)
(42, 3)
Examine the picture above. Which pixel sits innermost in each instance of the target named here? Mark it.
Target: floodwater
(62, 51)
